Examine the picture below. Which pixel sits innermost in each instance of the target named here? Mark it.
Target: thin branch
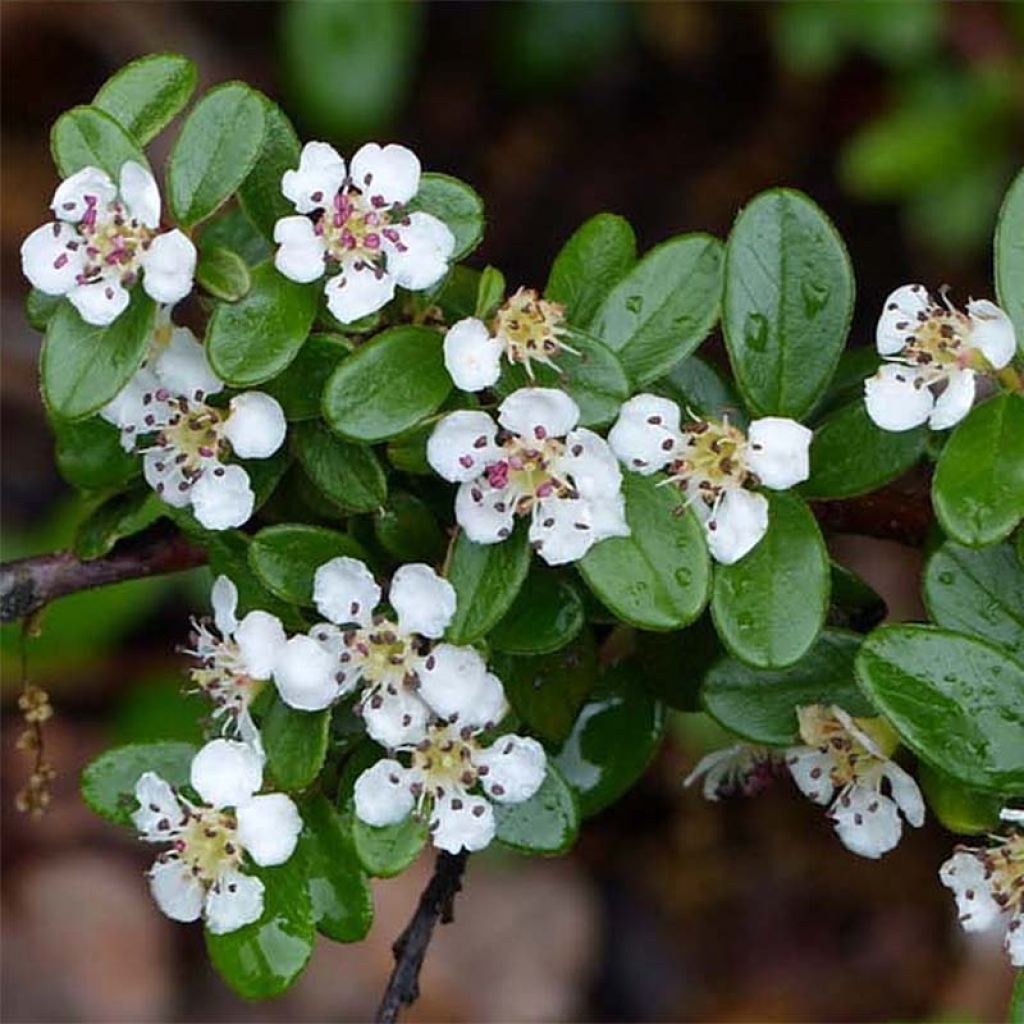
(436, 902)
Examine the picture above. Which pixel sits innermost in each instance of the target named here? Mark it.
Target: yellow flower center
(113, 242)
(531, 329)
(820, 727)
(207, 843)
(712, 459)
(445, 760)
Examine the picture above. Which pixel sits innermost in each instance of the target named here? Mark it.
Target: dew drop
(815, 294)
(947, 578)
(635, 303)
(755, 332)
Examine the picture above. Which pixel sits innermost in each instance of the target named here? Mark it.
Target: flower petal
(177, 892)
(226, 773)
(344, 591)
(472, 356)
(359, 290)
(425, 602)
(420, 258)
(235, 901)
(140, 194)
(255, 425)
(389, 174)
(382, 794)
(159, 811)
(899, 317)
(538, 413)
(131, 411)
(737, 526)
(515, 768)
(260, 636)
(304, 674)
(561, 530)
(452, 680)
(268, 828)
(486, 513)
(592, 464)
(867, 822)
(88, 187)
(905, 792)
(164, 475)
(778, 451)
(1014, 941)
(462, 822)
(224, 598)
(182, 367)
(395, 718)
(222, 497)
(316, 182)
(101, 302)
(955, 401)
(895, 398)
(170, 265)
(645, 435)
(462, 445)
(300, 256)
(992, 332)
(48, 260)
(966, 875)
(811, 769)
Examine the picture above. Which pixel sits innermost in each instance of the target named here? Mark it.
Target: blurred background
(903, 120)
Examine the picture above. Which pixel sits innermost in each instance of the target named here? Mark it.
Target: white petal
(716, 769)
(462, 445)
(899, 317)
(608, 517)
(472, 356)
(101, 302)
(222, 497)
(164, 475)
(170, 265)
(255, 425)
(955, 401)
(348, 674)
(1012, 814)
(561, 530)
(226, 773)
(420, 258)
(130, 411)
(224, 598)
(1014, 941)
(646, 434)
(268, 828)
(358, 291)
(538, 413)
(591, 464)
(235, 901)
(515, 768)
(906, 793)
(652, 410)
(867, 822)
(485, 513)
(260, 636)
(894, 400)
(382, 795)
(779, 451)
(320, 175)
(425, 602)
(344, 591)
(452, 679)
(462, 822)
(389, 173)
(159, 810)
(812, 772)
(182, 367)
(992, 332)
(300, 256)
(74, 195)
(178, 893)
(964, 873)
(738, 525)
(397, 719)
(140, 194)
(48, 262)
(304, 675)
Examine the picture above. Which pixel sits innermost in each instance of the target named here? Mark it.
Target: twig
(410, 947)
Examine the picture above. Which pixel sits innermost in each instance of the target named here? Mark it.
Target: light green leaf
(546, 824)
(223, 273)
(489, 293)
(960, 809)
(260, 194)
(386, 852)
(89, 137)
(1009, 256)
(455, 203)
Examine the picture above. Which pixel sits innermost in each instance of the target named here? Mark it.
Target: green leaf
(254, 339)
(388, 851)
(548, 690)
(612, 743)
(232, 229)
(407, 530)
(546, 824)
(760, 704)
(958, 808)
(286, 557)
(847, 385)
(852, 603)
(83, 366)
(146, 95)
(40, 307)
(108, 782)
(851, 456)
(489, 293)
(455, 203)
(349, 474)
(487, 578)
(1009, 256)
(978, 592)
(260, 194)
(88, 137)
(296, 744)
(547, 615)
(956, 701)
(90, 456)
(664, 307)
(697, 385)
(264, 958)
(299, 388)
(457, 295)
(978, 488)
(387, 385)
(223, 273)
(787, 304)
(341, 896)
(597, 256)
(1016, 1011)
(672, 665)
(120, 516)
(659, 577)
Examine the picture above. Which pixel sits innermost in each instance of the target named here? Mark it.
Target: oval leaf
(223, 273)
(407, 530)
(958, 808)
(260, 194)
(296, 744)
(386, 852)
(1009, 256)
(455, 203)
(697, 385)
(348, 474)
(299, 389)
(88, 137)
(90, 456)
(547, 615)
(545, 824)
(120, 516)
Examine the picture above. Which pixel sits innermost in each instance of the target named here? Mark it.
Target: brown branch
(28, 584)
(410, 947)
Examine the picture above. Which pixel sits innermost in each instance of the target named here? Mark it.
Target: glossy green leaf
(455, 203)
(254, 339)
(407, 530)
(1009, 256)
(89, 137)
(108, 782)
(387, 385)
(847, 385)
(349, 474)
(223, 273)
(458, 294)
(851, 456)
(146, 95)
(90, 456)
(217, 147)
(286, 557)
(979, 592)
(120, 516)
(546, 824)
(978, 487)
(489, 293)
(83, 366)
(760, 704)
(487, 578)
(697, 385)
(956, 701)
(296, 744)
(958, 808)
(547, 615)
(1015, 1014)
(787, 304)
(40, 307)
(260, 194)
(299, 388)
(658, 577)
(664, 307)
(386, 852)
(232, 229)
(597, 256)
(770, 605)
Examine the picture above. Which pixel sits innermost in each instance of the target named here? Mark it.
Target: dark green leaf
(455, 203)
(457, 295)
(120, 516)
(89, 137)
(223, 273)
(299, 388)
(958, 808)
(348, 474)
(854, 367)
(547, 614)
(90, 456)
(697, 385)
(545, 824)
(386, 852)
(260, 194)
(787, 303)
(1009, 256)
(659, 577)
(407, 530)
(672, 665)
(40, 307)
(296, 744)
(853, 604)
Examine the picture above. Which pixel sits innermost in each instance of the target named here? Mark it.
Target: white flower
(714, 465)
(163, 413)
(988, 883)
(103, 239)
(934, 353)
(848, 755)
(743, 768)
(355, 220)
(566, 480)
(203, 874)
(526, 329)
(451, 780)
